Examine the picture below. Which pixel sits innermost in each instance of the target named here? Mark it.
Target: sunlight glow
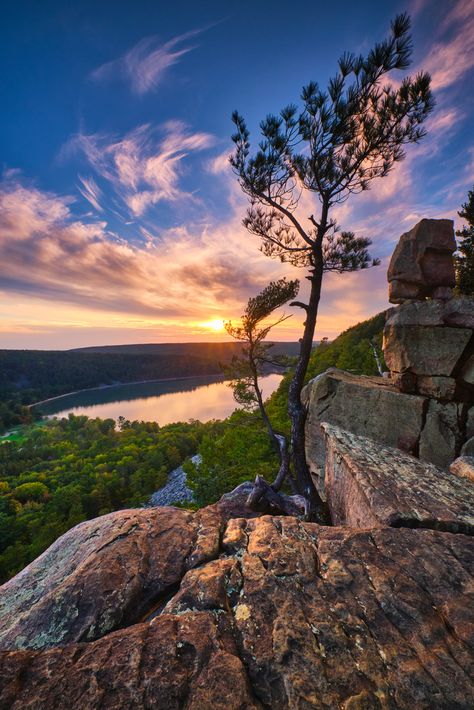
(216, 325)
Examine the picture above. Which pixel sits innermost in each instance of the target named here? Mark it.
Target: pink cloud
(90, 191)
(146, 64)
(143, 170)
(450, 59)
(186, 274)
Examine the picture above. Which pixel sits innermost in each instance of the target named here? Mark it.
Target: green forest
(61, 472)
(74, 469)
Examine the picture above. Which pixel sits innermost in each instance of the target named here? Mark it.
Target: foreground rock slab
(108, 572)
(278, 614)
(373, 485)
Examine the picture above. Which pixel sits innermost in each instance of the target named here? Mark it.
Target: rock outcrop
(372, 485)
(422, 264)
(434, 430)
(175, 489)
(109, 572)
(366, 406)
(272, 613)
(426, 406)
(433, 342)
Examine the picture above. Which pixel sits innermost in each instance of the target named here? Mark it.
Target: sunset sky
(120, 218)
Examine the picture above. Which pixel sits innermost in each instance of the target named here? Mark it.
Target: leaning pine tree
(334, 146)
(245, 370)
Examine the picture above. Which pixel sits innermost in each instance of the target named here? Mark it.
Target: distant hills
(38, 374)
(214, 351)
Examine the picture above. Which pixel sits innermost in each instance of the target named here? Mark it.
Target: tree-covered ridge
(38, 374)
(75, 469)
(239, 448)
(351, 350)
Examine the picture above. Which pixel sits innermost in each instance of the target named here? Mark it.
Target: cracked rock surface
(373, 485)
(167, 609)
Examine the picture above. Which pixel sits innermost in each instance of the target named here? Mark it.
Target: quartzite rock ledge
(109, 572)
(275, 613)
(370, 485)
(367, 406)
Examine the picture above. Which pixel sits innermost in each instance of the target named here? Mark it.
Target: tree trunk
(278, 440)
(263, 494)
(296, 411)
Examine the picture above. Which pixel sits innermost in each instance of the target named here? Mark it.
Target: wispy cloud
(142, 169)
(186, 274)
(452, 55)
(90, 190)
(220, 164)
(146, 64)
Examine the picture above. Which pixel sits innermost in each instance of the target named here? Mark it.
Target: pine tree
(333, 146)
(245, 370)
(464, 258)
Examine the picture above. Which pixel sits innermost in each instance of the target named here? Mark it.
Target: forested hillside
(76, 469)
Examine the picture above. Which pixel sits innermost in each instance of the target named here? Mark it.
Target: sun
(216, 325)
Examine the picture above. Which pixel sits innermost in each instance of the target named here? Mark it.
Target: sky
(120, 217)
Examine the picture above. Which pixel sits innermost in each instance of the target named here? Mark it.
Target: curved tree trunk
(278, 440)
(296, 411)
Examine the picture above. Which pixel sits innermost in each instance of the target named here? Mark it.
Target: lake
(164, 401)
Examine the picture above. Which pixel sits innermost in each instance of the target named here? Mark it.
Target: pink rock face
(463, 466)
(280, 614)
(422, 263)
(370, 485)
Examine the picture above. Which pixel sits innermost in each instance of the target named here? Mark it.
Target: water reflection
(202, 398)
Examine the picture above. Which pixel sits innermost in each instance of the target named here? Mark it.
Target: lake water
(202, 398)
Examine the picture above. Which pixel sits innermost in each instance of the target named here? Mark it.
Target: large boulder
(443, 433)
(372, 485)
(422, 263)
(368, 406)
(65, 594)
(424, 350)
(281, 614)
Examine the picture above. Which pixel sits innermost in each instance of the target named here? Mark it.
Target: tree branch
(299, 304)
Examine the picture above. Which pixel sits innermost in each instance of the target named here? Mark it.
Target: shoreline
(121, 384)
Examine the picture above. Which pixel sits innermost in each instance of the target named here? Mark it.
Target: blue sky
(119, 216)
